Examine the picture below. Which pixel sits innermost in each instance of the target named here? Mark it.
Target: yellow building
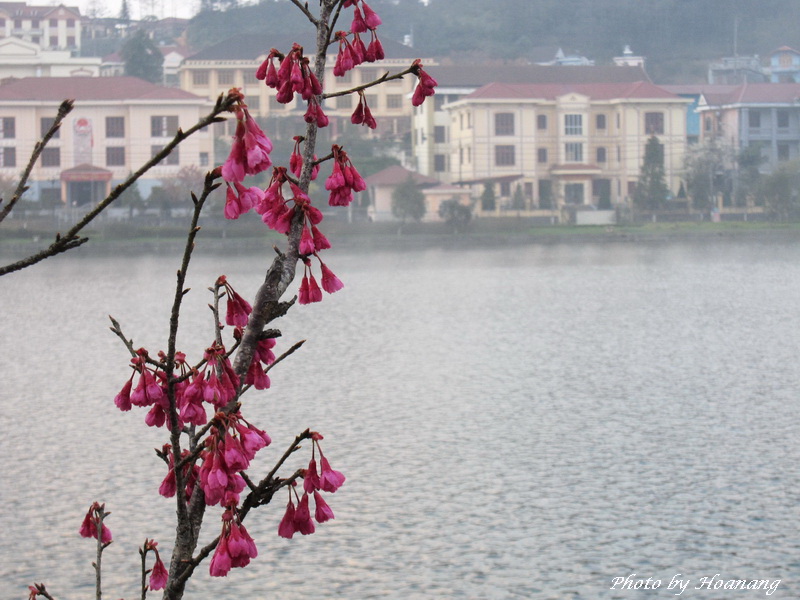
(118, 123)
(233, 63)
(579, 145)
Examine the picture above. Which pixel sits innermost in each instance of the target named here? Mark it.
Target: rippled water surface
(513, 422)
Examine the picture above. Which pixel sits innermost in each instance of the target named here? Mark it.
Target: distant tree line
(678, 37)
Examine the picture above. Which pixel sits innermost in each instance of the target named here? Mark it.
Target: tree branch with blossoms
(200, 404)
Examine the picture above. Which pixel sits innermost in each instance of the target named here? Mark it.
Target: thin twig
(285, 354)
(304, 9)
(383, 78)
(70, 239)
(63, 111)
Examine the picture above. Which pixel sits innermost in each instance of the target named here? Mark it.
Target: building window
(226, 77)
(35, 39)
(200, 77)
(654, 123)
(344, 102)
(45, 124)
(51, 157)
(505, 188)
(8, 128)
(249, 77)
(541, 122)
(573, 124)
(439, 163)
(573, 193)
(601, 155)
(163, 126)
(783, 119)
(70, 41)
(8, 157)
(573, 152)
(439, 134)
(53, 23)
(115, 127)
(783, 152)
(115, 156)
(372, 100)
(504, 124)
(204, 161)
(504, 156)
(545, 193)
(70, 22)
(172, 159)
(368, 75)
(754, 119)
(274, 104)
(541, 155)
(53, 41)
(600, 122)
(394, 101)
(254, 103)
(17, 23)
(34, 23)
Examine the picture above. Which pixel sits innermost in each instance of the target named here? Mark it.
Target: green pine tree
(652, 191)
(142, 58)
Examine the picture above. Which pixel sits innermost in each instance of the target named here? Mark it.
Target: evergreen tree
(487, 198)
(408, 202)
(125, 13)
(651, 190)
(142, 58)
(518, 200)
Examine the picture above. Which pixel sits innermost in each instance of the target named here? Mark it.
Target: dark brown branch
(303, 6)
(22, 187)
(42, 591)
(285, 354)
(383, 78)
(70, 239)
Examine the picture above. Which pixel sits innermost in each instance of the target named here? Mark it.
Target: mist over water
(516, 422)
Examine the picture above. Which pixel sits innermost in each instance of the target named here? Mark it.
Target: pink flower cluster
(362, 114)
(293, 75)
(425, 84)
(94, 519)
(158, 574)
(296, 160)
(190, 473)
(235, 547)
(343, 180)
(229, 448)
(352, 54)
(298, 519)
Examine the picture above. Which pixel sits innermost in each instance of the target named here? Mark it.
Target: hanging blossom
(235, 547)
(158, 574)
(344, 179)
(250, 148)
(309, 288)
(296, 160)
(425, 85)
(190, 473)
(297, 519)
(263, 356)
(232, 443)
(150, 389)
(362, 114)
(294, 75)
(94, 518)
(237, 309)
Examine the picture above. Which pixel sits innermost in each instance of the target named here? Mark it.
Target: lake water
(513, 422)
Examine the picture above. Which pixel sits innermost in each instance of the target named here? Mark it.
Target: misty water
(513, 422)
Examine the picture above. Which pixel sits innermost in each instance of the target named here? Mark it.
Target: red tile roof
(757, 93)
(551, 91)
(478, 75)
(88, 88)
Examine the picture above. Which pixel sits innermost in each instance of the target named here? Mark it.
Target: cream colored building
(118, 123)
(50, 27)
(19, 58)
(565, 145)
(233, 63)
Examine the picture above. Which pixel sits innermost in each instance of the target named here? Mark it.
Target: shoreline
(415, 236)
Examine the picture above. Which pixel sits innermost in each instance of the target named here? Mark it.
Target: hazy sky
(138, 8)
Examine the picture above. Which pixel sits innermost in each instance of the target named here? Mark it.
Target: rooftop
(88, 88)
(551, 91)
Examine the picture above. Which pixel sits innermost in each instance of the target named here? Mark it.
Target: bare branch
(70, 239)
(303, 6)
(63, 111)
(383, 78)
